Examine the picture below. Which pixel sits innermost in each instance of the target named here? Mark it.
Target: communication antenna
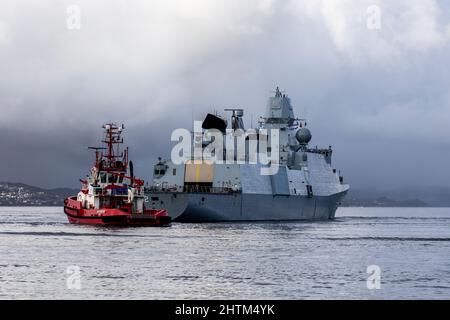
(97, 153)
(236, 118)
(192, 117)
(278, 93)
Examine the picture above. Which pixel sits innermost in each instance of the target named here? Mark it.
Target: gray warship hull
(198, 207)
(280, 197)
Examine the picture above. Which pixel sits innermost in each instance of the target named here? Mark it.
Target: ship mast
(113, 160)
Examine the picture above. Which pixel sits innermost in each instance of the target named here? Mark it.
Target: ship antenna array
(113, 137)
(97, 153)
(236, 118)
(278, 92)
(300, 122)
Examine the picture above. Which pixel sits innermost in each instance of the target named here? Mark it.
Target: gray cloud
(380, 97)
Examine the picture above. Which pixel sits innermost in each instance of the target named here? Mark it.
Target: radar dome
(303, 136)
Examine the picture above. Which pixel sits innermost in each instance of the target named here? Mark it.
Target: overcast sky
(380, 96)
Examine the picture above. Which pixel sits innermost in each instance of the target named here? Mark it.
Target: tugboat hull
(76, 214)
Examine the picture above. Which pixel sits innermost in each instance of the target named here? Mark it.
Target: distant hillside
(19, 194)
(354, 201)
(405, 197)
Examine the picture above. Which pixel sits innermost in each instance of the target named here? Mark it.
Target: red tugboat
(109, 196)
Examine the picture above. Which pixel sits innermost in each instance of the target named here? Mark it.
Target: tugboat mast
(110, 161)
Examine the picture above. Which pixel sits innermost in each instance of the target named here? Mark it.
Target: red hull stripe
(66, 209)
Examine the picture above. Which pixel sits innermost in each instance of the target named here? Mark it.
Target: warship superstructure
(305, 186)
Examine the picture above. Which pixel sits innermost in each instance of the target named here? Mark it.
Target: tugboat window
(110, 178)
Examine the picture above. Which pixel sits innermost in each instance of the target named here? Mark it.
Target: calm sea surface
(44, 257)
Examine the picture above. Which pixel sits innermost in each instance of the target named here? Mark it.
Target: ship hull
(195, 207)
(112, 217)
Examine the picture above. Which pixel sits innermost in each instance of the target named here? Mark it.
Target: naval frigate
(305, 186)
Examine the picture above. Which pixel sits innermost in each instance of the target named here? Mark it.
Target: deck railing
(192, 189)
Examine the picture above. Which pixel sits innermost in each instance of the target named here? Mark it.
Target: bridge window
(111, 178)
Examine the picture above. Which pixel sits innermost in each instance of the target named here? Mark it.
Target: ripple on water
(228, 261)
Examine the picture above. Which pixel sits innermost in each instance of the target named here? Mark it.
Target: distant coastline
(22, 195)
(14, 194)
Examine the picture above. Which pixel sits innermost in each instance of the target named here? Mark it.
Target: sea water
(366, 253)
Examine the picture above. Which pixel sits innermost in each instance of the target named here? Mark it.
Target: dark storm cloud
(380, 97)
